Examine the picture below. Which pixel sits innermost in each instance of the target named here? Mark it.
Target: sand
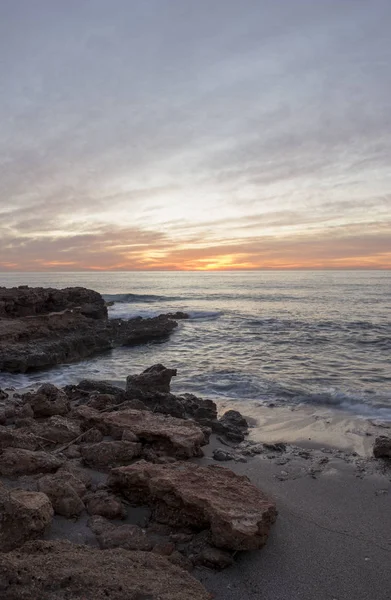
(332, 539)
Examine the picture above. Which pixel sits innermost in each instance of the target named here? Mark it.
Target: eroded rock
(154, 379)
(24, 516)
(48, 401)
(104, 504)
(18, 461)
(64, 491)
(110, 454)
(54, 570)
(185, 494)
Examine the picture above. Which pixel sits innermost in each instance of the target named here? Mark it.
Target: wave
(133, 298)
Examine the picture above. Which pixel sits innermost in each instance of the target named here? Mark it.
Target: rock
(181, 561)
(17, 461)
(154, 379)
(169, 435)
(233, 425)
(215, 558)
(280, 447)
(14, 438)
(24, 516)
(26, 302)
(164, 548)
(130, 537)
(106, 505)
(54, 570)
(185, 494)
(101, 401)
(92, 436)
(56, 429)
(64, 492)
(110, 454)
(222, 455)
(48, 401)
(382, 447)
(34, 337)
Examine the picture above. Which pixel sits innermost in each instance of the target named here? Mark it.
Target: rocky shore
(43, 327)
(118, 492)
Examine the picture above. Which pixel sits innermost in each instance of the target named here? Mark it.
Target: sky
(195, 134)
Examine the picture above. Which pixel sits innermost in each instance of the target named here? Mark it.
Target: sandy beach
(332, 538)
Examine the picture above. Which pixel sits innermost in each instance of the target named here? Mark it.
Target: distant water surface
(321, 338)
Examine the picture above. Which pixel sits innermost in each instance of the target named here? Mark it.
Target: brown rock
(17, 461)
(178, 559)
(215, 558)
(185, 494)
(154, 379)
(105, 505)
(64, 492)
(109, 454)
(382, 447)
(92, 436)
(48, 401)
(14, 438)
(58, 570)
(56, 429)
(164, 548)
(173, 436)
(24, 516)
(129, 537)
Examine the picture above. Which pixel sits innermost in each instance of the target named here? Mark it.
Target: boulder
(64, 491)
(182, 494)
(382, 447)
(104, 504)
(15, 438)
(129, 537)
(24, 516)
(54, 570)
(18, 461)
(232, 425)
(48, 401)
(56, 430)
(176, 437)
(154, 379)
(109, 454)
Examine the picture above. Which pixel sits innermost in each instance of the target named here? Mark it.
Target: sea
(319, 338)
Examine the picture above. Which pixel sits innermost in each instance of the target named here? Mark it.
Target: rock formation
(44, 327)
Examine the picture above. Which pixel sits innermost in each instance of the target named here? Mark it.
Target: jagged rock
(109, 454)
(233, 425)
(24, 516)
(48, 401)
(25, 301)
(54, 570)
(129, 537)
(175, 437)
(18, 461)
(34, 337)
(56, 429)
(382, 447)
(276, 447)
(154, 379)
(106, 505)
(178, 559)
(14, 438)
(185, 494)
(64, 491)
(102, 401)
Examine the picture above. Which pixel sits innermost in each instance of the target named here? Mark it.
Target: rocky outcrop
(24, 516)
(104, 504)
(40, 328)
(185, 494)
(232, 425)
(54, 570)
(128, 536)
(382, 447)
(24, 301)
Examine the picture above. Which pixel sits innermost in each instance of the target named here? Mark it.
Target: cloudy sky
(195, 134)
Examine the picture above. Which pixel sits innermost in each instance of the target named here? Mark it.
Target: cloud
(170, 133)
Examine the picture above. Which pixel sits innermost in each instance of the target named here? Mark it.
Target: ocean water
(318, 338)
